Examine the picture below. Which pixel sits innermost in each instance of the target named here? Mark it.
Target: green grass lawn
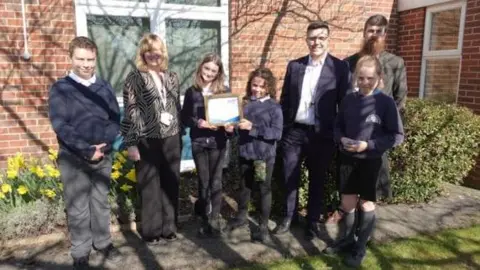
(450, 249)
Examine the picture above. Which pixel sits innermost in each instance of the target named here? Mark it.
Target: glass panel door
(117, 39)
(187, 42)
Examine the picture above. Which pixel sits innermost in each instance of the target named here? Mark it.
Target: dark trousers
(158, 175)
(85, 191)
(301, 142)
(209, 165)
(248, 183)
(383, 182)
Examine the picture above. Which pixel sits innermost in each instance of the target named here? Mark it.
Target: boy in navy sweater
(85, 116)
(258, 136)
(367, 125)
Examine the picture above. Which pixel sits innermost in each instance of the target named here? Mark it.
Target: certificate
(222, 109)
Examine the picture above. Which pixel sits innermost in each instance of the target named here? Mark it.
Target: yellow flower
(52, 171)
(60, 186)
(117, 165)
(124, 153)
(115, 175)
(126, 187)
(6, 188)
(38, 171)
(131, 176)
(120, 158)
(52, 154)
(48, 192)
(12, 174)
(16, 162)
(2, 196)
(22, 190)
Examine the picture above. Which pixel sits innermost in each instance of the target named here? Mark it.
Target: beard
(373, 46)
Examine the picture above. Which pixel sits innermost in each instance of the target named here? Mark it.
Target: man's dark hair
(82, 43)
(318, 25)
(376, 20)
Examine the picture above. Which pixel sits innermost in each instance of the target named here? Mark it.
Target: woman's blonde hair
(218, 83)
(150, 42)
(371, 61)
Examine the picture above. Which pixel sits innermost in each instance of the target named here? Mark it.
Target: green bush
(441, 145)
(31, 219)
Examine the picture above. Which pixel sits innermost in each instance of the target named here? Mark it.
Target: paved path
(460, 208)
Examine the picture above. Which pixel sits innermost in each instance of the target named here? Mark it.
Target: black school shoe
(236, 223)
(81, 263)
(111, 253)
(170, 237)
(343, 245)
(261, 235)
(355, 258)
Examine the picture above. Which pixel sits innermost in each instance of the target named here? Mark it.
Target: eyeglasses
(152, 56)
(320, 38)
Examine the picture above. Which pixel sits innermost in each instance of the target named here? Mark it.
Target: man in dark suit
(313, 87)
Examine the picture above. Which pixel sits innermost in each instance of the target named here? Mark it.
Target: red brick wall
(469, 90)
(24, 85)
(273, 32)
(409, 46)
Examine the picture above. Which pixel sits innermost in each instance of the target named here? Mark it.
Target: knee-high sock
(349, 224)
(366, 225)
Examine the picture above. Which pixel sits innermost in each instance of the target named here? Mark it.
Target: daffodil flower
(115, 175)
(126, 187)
(22, 190)
(6, 188)
(131, 176)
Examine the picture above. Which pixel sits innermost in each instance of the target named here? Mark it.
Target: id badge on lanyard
(165, 117)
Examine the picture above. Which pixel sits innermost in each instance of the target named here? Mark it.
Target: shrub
(441, 144)
(41, 216)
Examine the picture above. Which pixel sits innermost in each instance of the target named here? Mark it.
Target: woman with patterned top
(151, 130)
(208, 142)
(258, 134)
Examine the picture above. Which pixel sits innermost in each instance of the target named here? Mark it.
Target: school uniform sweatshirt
(373, 118)
(82, 119)
(259, 143)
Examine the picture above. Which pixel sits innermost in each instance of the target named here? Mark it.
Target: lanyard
(161, 88)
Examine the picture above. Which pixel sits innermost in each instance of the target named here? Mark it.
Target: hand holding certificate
(223, 109)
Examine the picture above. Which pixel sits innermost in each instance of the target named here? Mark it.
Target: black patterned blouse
(143, 107)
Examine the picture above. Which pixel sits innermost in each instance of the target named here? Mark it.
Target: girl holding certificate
(208, 142)
(367, 125)
(258, 136)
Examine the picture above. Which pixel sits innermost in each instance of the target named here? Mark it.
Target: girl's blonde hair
(148, 43)
(371, 61)
(217, 86)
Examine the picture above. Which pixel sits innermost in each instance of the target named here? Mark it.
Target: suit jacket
(332, 86)
(394, 75)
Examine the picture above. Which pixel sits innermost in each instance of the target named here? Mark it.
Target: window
(442, 49)
(190, 28)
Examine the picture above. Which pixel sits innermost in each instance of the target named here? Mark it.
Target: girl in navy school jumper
(208, 142)
(258, 135)
(367, 125)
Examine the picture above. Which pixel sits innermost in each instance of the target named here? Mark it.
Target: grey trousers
(85, 191)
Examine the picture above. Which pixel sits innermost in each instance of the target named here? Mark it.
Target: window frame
(158, 11)
(428, 54)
